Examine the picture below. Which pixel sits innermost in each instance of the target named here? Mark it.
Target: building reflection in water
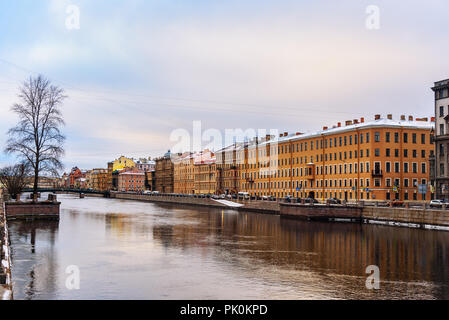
(346, 249)
(140, 250)
(33, 255)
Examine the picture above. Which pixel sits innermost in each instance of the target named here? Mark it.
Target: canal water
(136, 250)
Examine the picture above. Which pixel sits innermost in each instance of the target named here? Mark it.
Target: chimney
(325, 128)
(377, 117)
(285, 134)
(362, 120)
(432, 119)
(298, 133)
(339, 124)
(267, 137)
(390, 117)
(410, 118)
(402, 117)
(348, 122)
(356, 121)
(281, 135)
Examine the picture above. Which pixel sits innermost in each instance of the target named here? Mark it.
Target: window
(377, 152)
(367, 137)
(423, 168)
(405, 137)
(405, 167)
(396, 167)
(396, 153)
(387, 137)
(377, 136)
(423, 138)
(387, 152)
(396, 137)
(441, 111)
(405, 153)
(388, 167)
(441, 129)
(414, 138)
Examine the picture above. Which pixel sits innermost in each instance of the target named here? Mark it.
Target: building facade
(165, 174)
(205, 173)
(384, 159)
(441, 159)
(99, 179)
(228, 175)
(131, 181)
(150, 180)
(123, 162)
(183, 175)
(75, 174)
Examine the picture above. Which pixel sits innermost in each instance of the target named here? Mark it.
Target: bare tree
(14, 178)
(37, 139)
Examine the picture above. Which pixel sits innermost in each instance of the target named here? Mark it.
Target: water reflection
(145, 251)
(34, 257)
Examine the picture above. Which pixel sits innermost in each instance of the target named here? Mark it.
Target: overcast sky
(137, 70)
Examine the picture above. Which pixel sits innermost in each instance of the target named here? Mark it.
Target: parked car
(397, 203)
(334, 201)
(288, 199)
(436, 203)
(244, 195)
(155, 192)
(310, 200)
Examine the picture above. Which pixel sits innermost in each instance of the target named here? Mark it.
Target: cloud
(136, 71)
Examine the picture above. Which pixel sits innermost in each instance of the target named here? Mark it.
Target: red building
(74, 175)
(131, 181)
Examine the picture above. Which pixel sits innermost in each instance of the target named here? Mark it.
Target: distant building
(123, 162)
(99, 179)
(441, 160)
(145, 165)
(205, 173)
(183, 173)
(131, 181)
(227, 169)
(75, 173)
(165, 174)
(150, 180)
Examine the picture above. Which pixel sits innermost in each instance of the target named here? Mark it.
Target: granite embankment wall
(5, 258)
(421, 217)
(30, 210)
(418, 216)
(271, 207)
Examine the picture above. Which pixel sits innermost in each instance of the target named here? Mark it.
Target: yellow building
(183, 175)
(123, 162)
(205, 173)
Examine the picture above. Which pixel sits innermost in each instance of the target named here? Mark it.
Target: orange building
(184, 173)
(384, 159)
(131, 181)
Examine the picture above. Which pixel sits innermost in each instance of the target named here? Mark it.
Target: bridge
(68, 190)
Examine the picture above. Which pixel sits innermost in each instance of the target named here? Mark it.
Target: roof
(132, 173)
